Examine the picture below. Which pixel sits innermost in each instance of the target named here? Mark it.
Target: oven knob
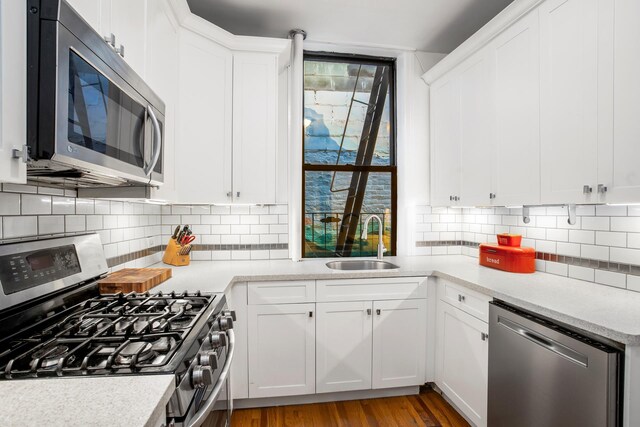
(208, 358)
(217, 339)
(226, 323)
(201, 376)
(230, 313)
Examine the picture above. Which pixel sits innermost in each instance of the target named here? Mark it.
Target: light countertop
(127, 401)
(141, 400)
(607, 311)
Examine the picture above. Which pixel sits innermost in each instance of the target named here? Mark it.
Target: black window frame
(392, 168)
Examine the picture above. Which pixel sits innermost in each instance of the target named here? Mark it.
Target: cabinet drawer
(371, 289)
(288, 292)
(472, 302)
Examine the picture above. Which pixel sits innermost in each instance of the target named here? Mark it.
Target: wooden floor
(426, 409)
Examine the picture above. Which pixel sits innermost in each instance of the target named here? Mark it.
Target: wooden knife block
(172, 255)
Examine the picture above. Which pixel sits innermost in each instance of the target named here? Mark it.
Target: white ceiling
(427, 25)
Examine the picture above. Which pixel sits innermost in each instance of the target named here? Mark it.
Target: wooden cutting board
(133, 280)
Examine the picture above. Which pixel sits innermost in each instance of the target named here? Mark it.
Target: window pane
(325, 209)
(339, 108)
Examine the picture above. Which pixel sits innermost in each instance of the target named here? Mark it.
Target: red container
(508, 258)
(506, 239)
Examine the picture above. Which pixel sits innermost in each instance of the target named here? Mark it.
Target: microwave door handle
(203, 412)
(157, 141)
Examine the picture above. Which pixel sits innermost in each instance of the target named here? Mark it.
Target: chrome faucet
(381, 248)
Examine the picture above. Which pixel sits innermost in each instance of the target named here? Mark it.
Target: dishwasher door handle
(543, 341)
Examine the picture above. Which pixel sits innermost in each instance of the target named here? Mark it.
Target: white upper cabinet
(255, 112)
(514, 58)
(445, 141)
(126, 20)
(476, 154)
(13, 90)
(619, 161)
(203, 148)
(129, 24)
(569, 100)
(91, 11)
(162, 75)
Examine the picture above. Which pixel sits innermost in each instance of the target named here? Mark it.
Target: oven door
(215, 408)
(101, 123)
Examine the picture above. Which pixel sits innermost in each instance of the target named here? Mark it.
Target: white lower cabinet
(343, 346)
(462, 351)
(282, 340)
(313, 344)
(399, 343)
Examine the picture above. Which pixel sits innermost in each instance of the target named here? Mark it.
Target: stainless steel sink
(361, 264)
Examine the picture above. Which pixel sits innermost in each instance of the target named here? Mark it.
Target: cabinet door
(476, 154)
(255, 111)
(162, 75)
(13, 88)
(516, 86)
(445, 141)
(399, 343)
(129, 24)
(343, 346)
(281, 350)
(618, 167)
(462, 361)
(203, 150)
(568, 100)
(91, 11)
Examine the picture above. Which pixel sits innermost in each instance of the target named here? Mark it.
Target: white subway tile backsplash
(627, 256)
(601, 253)
(558, 234)
(230, 219)
(633, 283)
(626, 224)
(64, 205)
(581, 273)
(9, 204)
(606, 210)
(36, 204)
(595, 223)
(557, 268)
(609, 238)
(50, 224)
(85, 206)
(633, 240)
(74, 223)
(611, 278)
(582, 236)
(19, 226)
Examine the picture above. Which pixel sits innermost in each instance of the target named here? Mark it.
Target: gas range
(54, 323)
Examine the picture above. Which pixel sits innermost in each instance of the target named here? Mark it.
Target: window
(349, 166)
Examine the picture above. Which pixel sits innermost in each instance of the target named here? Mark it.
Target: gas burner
(144, 350)
(49, 357)
(181, 304)
(180, 323)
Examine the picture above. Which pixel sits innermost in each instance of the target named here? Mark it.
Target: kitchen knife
(175, 232)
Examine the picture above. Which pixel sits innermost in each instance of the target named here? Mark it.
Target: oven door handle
(157, 141)
(203, 412)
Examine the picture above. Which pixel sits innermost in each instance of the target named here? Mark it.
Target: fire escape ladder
(364, 157)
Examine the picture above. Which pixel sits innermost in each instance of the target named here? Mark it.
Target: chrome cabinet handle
(461, 298)
(229, 194)
(110, 39)
(311, 314)
(368, 312)
(22, 154)
(238, 194)
(484, 336)
(157, 141)
(602, 188)
(587, 189)
(378, 311)
(120, 50)
(492, 196)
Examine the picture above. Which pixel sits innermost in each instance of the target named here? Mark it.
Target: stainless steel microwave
(91, 120)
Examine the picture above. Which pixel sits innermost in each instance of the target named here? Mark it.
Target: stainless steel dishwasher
(545, 375)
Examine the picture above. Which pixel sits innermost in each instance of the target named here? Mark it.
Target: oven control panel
(29, 269)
